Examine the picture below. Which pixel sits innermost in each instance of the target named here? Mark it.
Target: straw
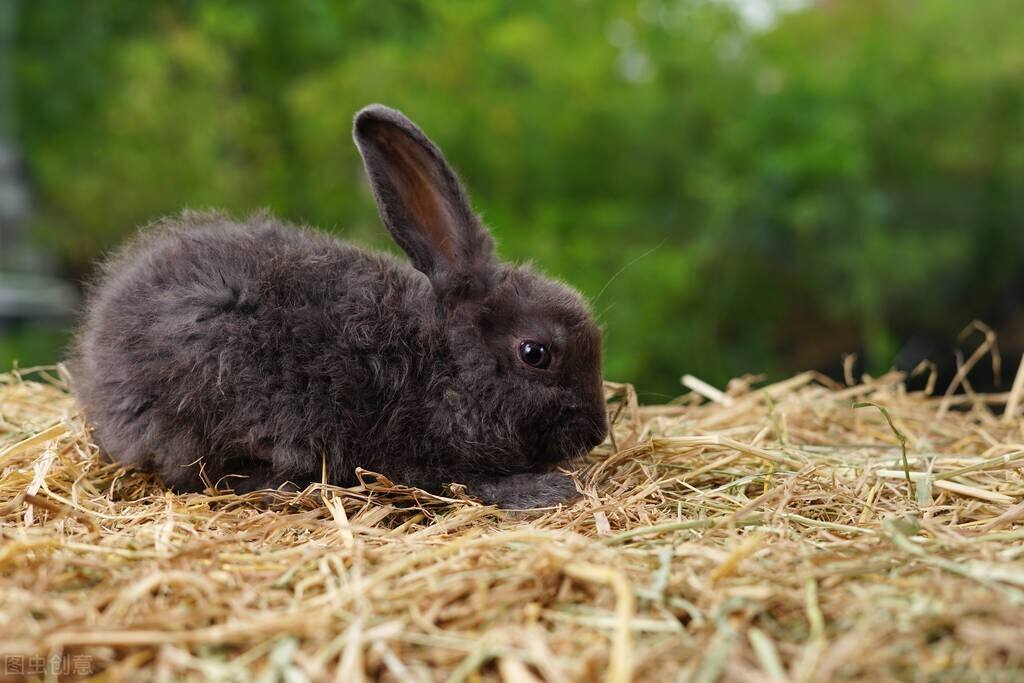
(772, 533)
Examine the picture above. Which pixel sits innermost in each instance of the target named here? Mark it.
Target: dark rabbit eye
(535, 354)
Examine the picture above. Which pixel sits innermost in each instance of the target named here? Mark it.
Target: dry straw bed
(804, 531)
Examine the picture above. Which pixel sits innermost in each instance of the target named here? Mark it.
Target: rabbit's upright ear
(422, 202)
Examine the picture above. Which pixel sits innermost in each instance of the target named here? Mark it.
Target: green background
(732, 198)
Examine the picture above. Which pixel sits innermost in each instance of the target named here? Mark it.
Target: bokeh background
(739, 186)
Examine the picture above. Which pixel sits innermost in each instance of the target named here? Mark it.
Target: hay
(770, 534)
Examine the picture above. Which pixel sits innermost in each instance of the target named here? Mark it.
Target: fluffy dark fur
(248, 354)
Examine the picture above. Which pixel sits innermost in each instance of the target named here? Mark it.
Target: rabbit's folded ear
(422, 201)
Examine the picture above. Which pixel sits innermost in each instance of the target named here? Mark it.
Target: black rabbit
(251, 354)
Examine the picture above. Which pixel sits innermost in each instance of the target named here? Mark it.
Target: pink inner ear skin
(411, 176)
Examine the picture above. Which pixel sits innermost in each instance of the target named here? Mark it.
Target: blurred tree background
(734, 196)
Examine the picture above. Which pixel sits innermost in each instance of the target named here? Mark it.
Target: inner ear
(422, 201)
(414, 177)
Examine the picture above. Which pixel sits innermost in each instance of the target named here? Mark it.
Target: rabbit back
(213, 348)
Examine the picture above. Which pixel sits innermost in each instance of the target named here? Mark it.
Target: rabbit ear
(421, 200)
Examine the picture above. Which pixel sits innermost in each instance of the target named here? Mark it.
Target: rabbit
(254, 355)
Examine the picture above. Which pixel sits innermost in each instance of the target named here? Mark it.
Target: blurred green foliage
(732, 200)
(28, 346)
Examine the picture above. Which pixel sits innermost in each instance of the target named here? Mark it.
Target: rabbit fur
(256, 354)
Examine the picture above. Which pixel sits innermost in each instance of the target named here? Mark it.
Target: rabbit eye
(535, 354)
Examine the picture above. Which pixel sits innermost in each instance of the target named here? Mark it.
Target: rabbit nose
(596, 436)
(593, 427)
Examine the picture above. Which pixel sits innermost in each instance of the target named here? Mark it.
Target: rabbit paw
(524, 491)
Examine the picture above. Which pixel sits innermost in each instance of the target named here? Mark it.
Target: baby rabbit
(253, 354)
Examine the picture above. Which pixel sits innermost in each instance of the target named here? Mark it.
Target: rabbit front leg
(524, 491)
